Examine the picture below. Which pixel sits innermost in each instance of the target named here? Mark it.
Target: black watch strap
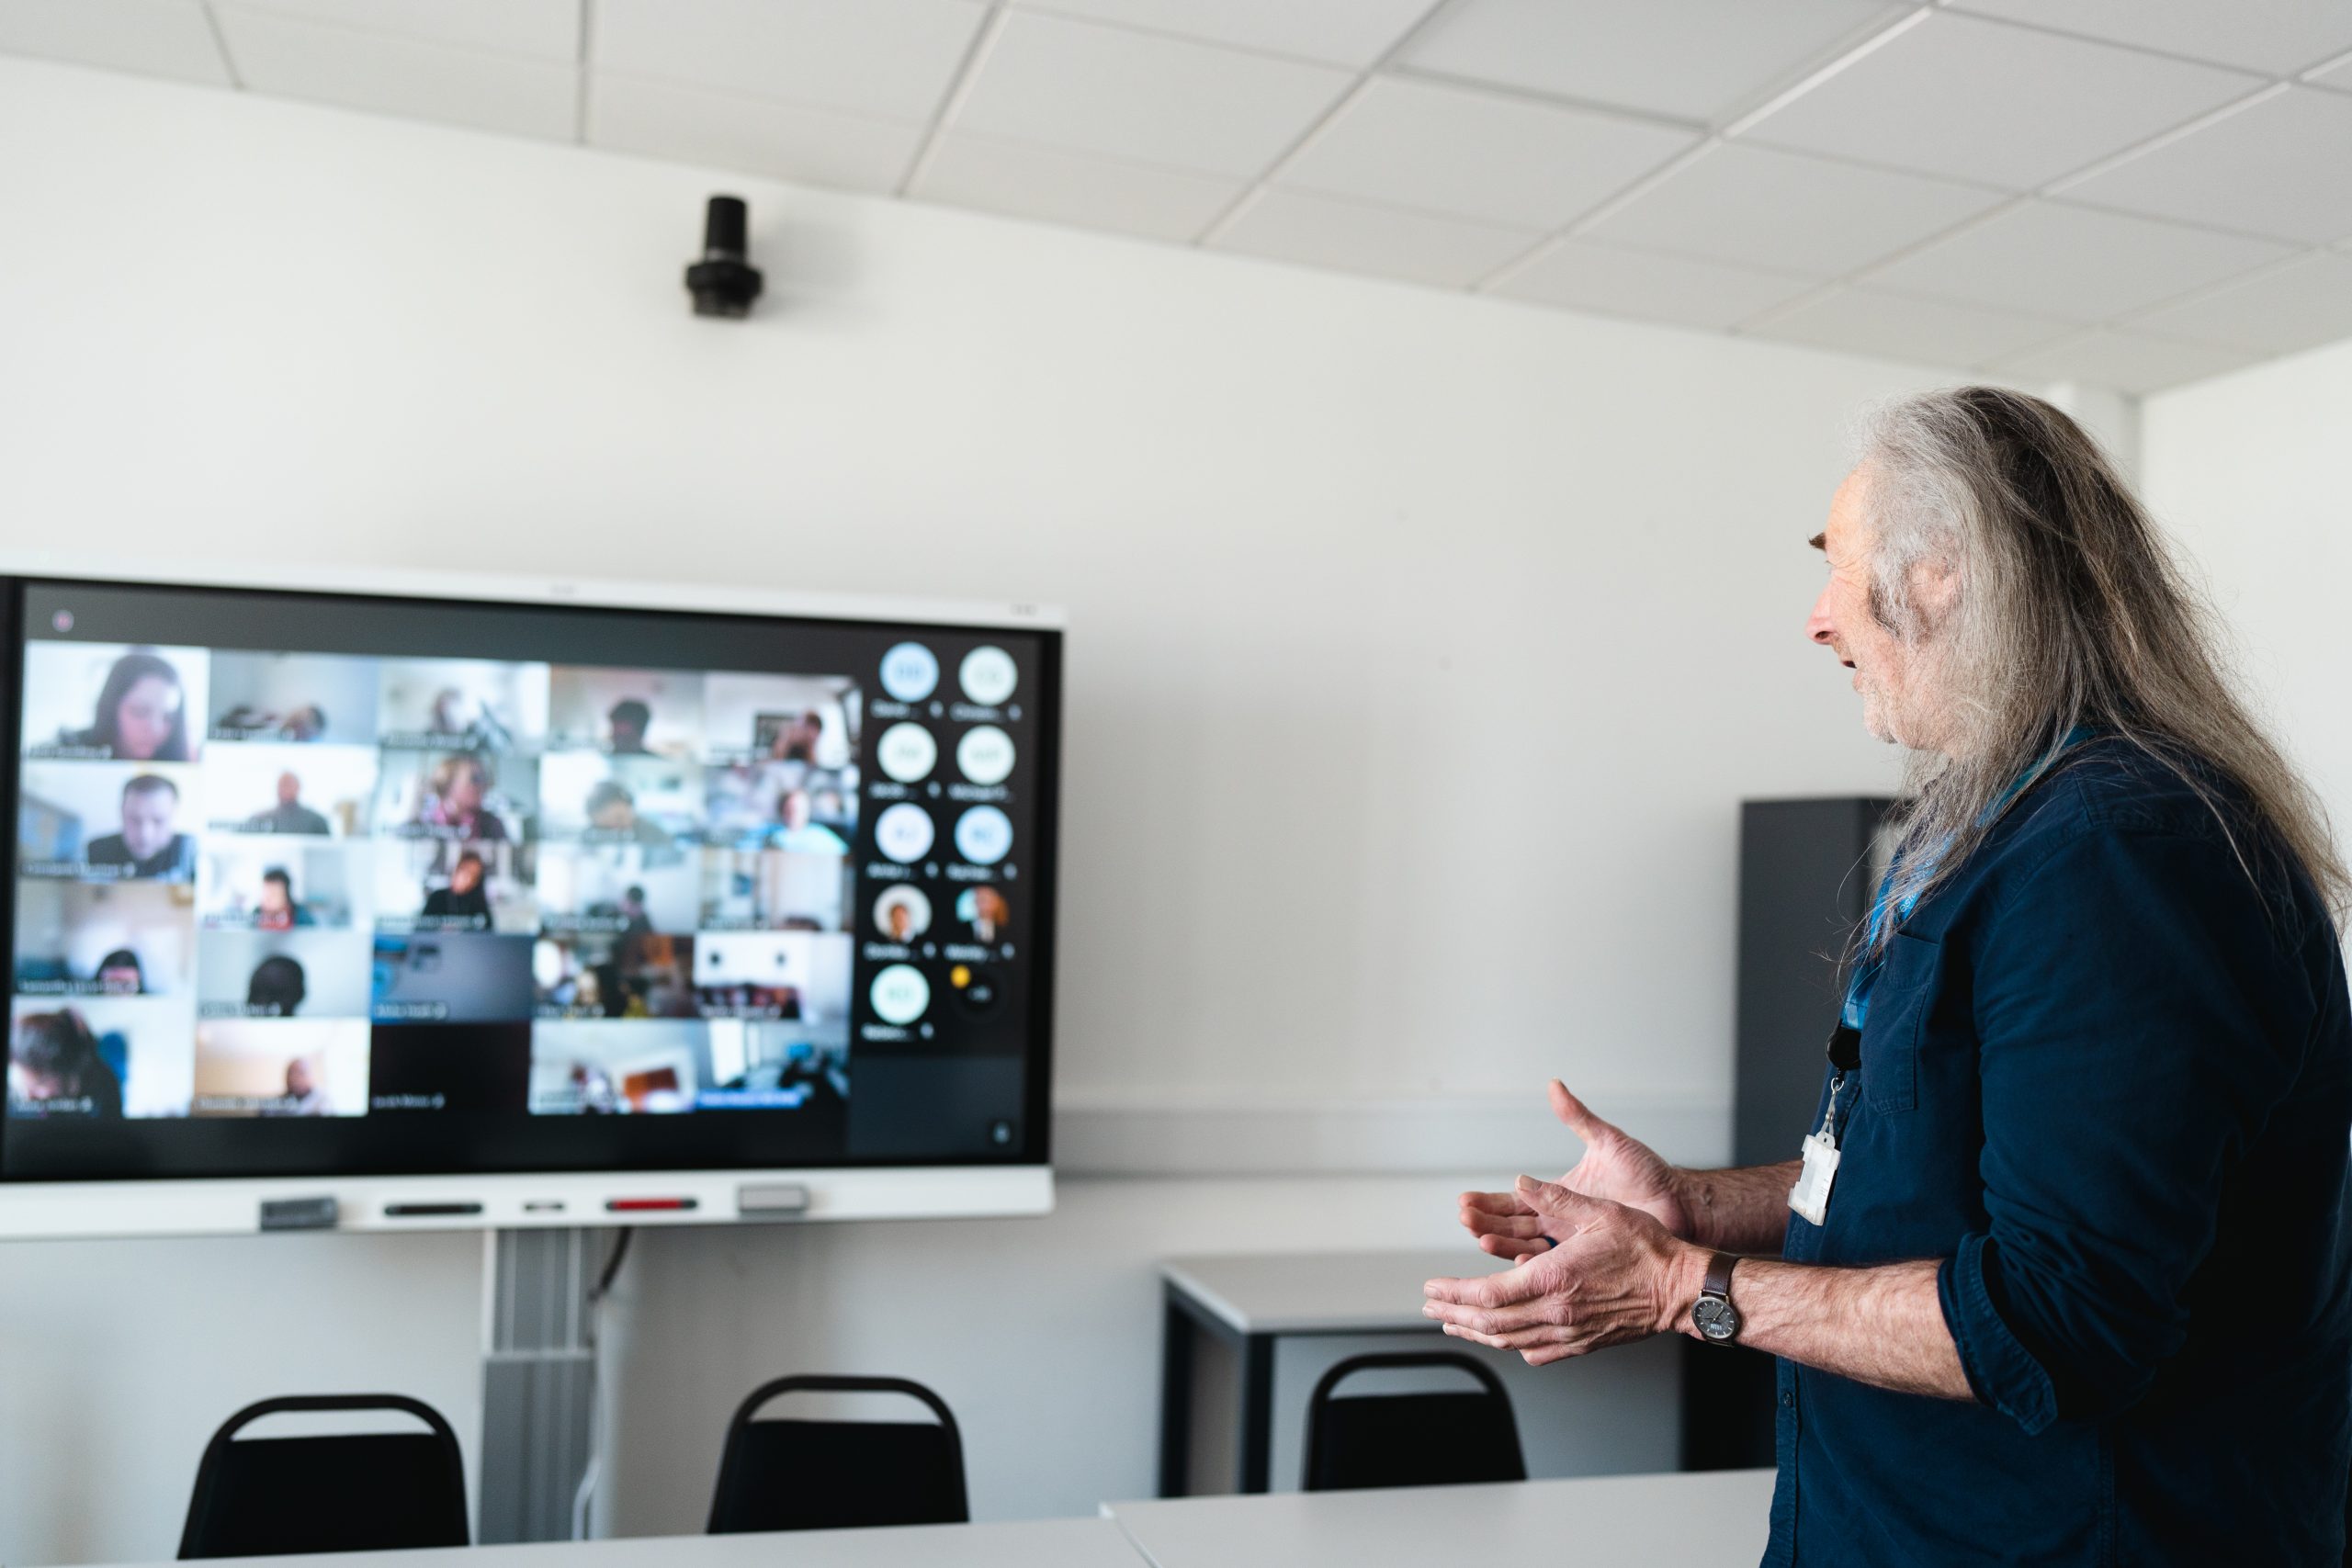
(1718, 1280)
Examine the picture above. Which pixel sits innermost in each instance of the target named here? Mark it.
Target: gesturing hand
(1614, 1167)
(1613, 1274)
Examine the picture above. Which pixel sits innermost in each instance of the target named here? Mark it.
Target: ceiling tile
(1344, 32)
(2278, 37)
(1895, 326)
(663, 119)
(1755, 205)
(1066, 187)
(1979, 100)
(2294, 305)
(1139, 96)
(2130, 362)
(1695, 59)
(291, 58)
(2047, 258)
(892, 58)
(1321, 231)
(1620, 282)
(1478, 154)
(2282, 167)
(153, 37)
(548, 30)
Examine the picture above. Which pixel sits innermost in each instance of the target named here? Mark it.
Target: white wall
(1423, 648)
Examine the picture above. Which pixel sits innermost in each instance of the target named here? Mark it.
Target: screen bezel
(1020, 1183)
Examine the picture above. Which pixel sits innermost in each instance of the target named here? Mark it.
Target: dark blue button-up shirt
(2107, 1078)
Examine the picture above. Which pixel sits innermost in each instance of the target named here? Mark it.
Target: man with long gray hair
(2061, 1275)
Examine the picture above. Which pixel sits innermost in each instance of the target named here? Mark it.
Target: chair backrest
(802, 1475)
(1410, 1440)
(360, 1491)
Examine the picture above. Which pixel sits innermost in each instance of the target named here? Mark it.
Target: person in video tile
(151, 844)
(465, 898)
(456, 804)
(303, 1095)
(277, 987)
(635, 918)
(120, 974)
(141, 715)
(795, 833)
(796, 740)
(56, 1069)
(289, 814)
(613, 819)
(629, 719)
(278, 911)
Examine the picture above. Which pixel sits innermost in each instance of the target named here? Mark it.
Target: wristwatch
(1712, 1314)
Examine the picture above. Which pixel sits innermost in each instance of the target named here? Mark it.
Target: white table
(1045, 1543)
(1253, 1299)
(1719, 1519)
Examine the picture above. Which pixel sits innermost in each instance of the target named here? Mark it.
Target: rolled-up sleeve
(2137, 1019)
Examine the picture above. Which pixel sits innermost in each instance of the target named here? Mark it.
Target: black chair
(810, 1475)
(1410, 1440)
(359, 1492)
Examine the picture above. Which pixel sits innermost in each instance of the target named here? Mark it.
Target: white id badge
(1810, 1196)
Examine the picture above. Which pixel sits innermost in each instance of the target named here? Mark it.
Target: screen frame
(225, 1206)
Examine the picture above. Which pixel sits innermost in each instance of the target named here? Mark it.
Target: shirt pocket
(1900, 1002)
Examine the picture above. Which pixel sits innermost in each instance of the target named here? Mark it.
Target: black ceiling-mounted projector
(724, 283)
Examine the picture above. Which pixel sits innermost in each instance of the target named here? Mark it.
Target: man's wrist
(1684, 1272)
(1696, 1199)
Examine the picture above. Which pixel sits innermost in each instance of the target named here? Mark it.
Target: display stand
(539, 1382)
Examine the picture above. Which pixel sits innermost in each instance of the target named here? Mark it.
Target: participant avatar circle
(985, 754)
(987, 675)
(983, 834)
(902, 913)
(907, 752)
(904, 832)
(900, 993)
(909, 671)
(984, 912)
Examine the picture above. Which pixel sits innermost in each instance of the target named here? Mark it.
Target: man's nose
(1818, 626)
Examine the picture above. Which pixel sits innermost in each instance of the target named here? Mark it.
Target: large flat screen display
(313, 884)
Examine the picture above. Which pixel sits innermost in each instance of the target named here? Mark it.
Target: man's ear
(1934, 591)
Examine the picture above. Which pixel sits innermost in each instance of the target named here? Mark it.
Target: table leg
(1257, 1435)
(1175, 1400)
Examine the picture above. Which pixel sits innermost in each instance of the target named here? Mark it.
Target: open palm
(1614, 1167)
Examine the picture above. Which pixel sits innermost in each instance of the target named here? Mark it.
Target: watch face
(1716, 1318)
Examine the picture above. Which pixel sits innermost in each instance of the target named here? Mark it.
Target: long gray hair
(2070, 610)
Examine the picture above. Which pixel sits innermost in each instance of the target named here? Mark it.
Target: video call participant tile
(108, 821)
(809, 719)
(110, 701)
(613, 976)
(453, 885)
(78, 938)
(450, 977)
(781, 806)
(254, 1066)
(476, 798)
(594, 1067)
(612, 888)
(797, 976)
(311, 699)
(99, 1057)
(272, 884)
(304, 973)
(462, 705)
(627, 713)
(774, 890)
(290, 791)
(445, 1068)
(762, 1065)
